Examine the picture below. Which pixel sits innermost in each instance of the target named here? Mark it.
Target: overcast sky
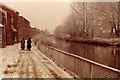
(43, 15)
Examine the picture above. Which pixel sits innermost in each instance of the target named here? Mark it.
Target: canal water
(109, 56)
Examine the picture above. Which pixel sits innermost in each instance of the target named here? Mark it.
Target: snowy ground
(28, 64)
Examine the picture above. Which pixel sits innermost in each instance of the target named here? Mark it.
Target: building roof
(5, 7)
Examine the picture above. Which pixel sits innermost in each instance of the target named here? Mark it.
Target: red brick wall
(12, 21)
(8, 30)
(3, 22)
(3, 38)
(24, 26)
(2, 45)
(19, 23)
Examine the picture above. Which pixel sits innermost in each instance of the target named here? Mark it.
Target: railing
(78, 66)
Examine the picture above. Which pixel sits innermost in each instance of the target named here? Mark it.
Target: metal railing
(78, 66)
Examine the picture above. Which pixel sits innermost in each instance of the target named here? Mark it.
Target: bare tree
(92, 19)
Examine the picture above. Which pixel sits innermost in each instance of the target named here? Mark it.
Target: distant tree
(58, 31)
(91, 19)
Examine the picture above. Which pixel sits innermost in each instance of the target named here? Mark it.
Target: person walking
(29, 44)
(23, 44)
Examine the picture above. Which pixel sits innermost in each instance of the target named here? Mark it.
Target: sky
(42, 15)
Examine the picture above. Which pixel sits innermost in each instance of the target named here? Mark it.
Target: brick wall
(11, 25)
(24, 28)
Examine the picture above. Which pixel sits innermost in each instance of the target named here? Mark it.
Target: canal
(109, 56)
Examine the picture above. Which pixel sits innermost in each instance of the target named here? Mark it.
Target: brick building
(14, 27)
(23, 28)
(2, 37)
(9, 19)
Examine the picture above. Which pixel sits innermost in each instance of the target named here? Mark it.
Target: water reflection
(105, 55)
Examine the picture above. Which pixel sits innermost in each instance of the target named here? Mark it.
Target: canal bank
(78, 66)
(106, 55)
(95, 41)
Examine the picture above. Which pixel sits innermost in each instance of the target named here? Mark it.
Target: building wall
(2, 42)
(8, 30)
(2, 29)
(23, 27)
(25, 30)
(16, 27)
(11, 16)
(3, 37)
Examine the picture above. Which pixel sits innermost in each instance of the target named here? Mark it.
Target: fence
(78, 66)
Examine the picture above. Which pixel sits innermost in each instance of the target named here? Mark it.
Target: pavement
(16, 63)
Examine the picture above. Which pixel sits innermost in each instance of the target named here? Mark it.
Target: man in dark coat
(29, 44)
(23, 44)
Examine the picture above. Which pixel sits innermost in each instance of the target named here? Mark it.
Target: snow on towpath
(28, 64)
